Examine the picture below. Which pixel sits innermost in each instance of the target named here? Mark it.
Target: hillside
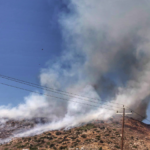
(98, 135)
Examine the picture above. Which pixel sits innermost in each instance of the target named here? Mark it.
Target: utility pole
(123, 125)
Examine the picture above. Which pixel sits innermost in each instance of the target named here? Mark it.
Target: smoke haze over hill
(106, 56)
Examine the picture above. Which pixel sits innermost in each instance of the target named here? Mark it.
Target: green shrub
(101, 141)
(49, 134)
(117, 146)
(77, 140)
(63, 147)
(98, 137)
(87, 127)
(33, 148)
(58, 133)
(65, 140)
(117, 122)
(109, 142)
(50, 138)
(52, 145)
(106, 134)
(134, 146)
(73, 138)
(83, 135)
(78, 132)
(102, 128)
(90, 126)
(75, 144)
(65, 137)
(20, 146)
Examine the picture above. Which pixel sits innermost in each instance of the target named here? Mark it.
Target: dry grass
(99, 135)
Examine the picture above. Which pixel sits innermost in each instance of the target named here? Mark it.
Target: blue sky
(26, 28)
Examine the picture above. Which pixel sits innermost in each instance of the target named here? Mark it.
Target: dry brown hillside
(98, 135)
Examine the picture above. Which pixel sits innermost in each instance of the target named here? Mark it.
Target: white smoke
(106, 54)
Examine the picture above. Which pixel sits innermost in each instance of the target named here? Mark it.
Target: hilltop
(98, 135)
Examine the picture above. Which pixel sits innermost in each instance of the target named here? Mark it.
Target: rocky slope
(98, 135)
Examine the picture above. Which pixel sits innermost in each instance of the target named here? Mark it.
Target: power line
(133, 111)
(54, 96)
(30, 84)
(138, 114)
(44, 87)
(51, 89)
(61, 92)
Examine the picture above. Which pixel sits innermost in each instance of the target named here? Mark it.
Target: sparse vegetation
(109, 137)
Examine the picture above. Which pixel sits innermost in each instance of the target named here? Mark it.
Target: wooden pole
(122, 138)
(122, 129)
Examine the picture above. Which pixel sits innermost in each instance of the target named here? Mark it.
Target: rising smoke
(106, 56)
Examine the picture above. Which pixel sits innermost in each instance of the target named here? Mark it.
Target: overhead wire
(138, 114)
(60, 92)
(50, 89)
(70, 100)
(54, 96)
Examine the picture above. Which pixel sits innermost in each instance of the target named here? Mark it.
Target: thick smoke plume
(106, 56)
